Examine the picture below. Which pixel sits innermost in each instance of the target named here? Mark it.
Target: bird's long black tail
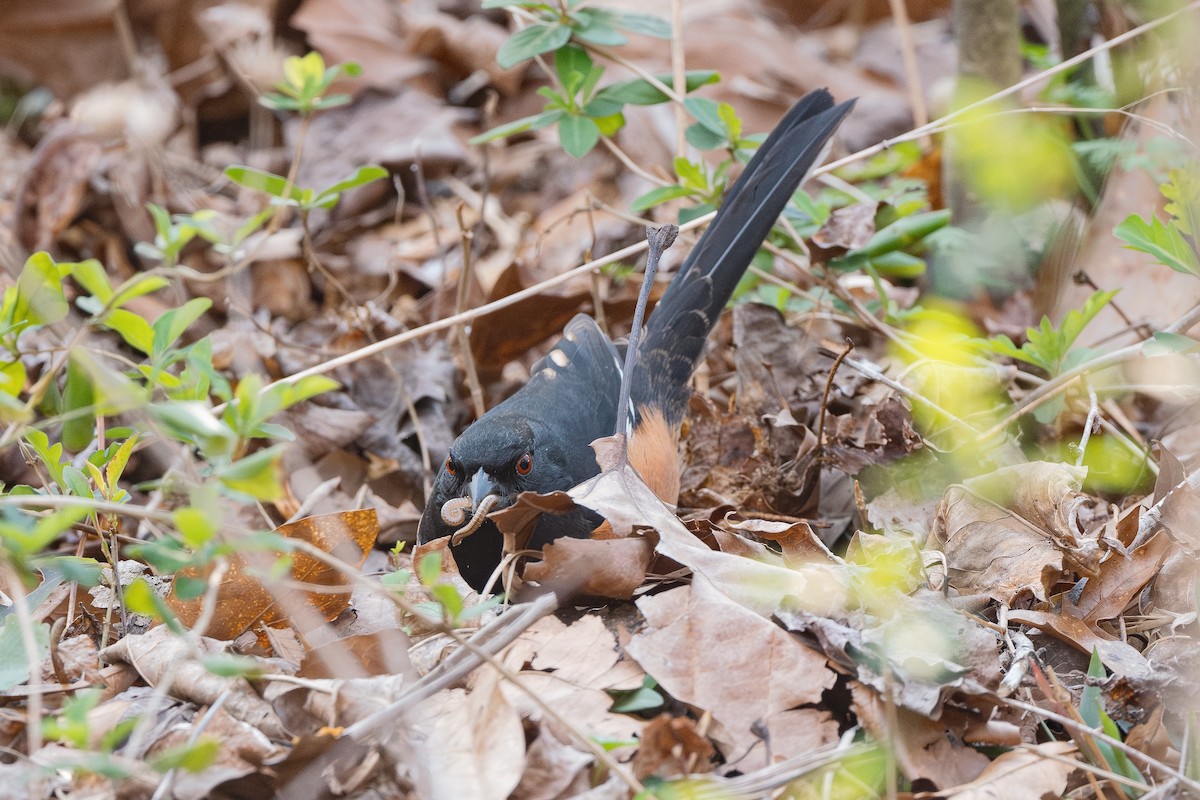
(680, 324)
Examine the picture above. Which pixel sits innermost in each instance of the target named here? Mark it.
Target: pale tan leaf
(1016, 775)
(469, 744)
(1015, 530)
(714, 654)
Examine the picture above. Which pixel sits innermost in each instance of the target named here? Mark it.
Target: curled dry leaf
(795, 539)
(1015, 530)
(1177, 502)
(245, 598)
(158, 653)
(672, 747)
(624, 500)
(711, 653)
(612, 568)
(1119, 657)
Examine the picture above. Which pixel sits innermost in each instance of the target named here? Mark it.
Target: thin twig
(912, 76)
(679, 76)
(462, 332)
(1083, 729)
(659, 240)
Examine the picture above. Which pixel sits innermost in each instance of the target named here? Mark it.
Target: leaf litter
(741, 644)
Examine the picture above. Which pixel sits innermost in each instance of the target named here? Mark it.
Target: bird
(539, 438)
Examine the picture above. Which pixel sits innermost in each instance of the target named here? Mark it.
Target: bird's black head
(502, 458)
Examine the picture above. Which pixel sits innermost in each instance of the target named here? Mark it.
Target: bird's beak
(479, 487)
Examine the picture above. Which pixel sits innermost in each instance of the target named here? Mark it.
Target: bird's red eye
(451, 470)
(524, 464)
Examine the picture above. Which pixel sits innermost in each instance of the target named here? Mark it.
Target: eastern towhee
(539, 439)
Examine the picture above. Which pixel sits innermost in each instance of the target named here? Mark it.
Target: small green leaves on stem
(1049, 348)
(289, 194)
(305, 82)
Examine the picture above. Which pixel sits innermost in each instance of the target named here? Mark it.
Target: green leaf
(51, 580)
(631, 701)
(231, 665)
(640, 92)
(172, 323)
(598, 26)
(429, 567)
(448, 598)
(259, 475)
(83, 571)
(659, 195)
(91, 276)
(116, 465)
(701, 138)
(197, 527)
(76, 482)
(137, 286)
(194, 421)
(79, 424)
(14, 661)
(360, 177)
(263, 181)
(51, 456)
(686, 215)
(707, 113)
(1164, 242)
(643, 23)
(519, 126)
(1164, 343)
(134, 329)
(691, 173)
(12, 378)
(194, 757)
(40, 299)
(609, 125)
(529, 42)
(573, 65)
(1182, 189)
(578, 135)
(902, 233)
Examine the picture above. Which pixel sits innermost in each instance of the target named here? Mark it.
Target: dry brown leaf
(923, 651)
(672, 747)
(711, 653)
(1176, 495)
(1121, 578)
(584, 653)
(1014, 530)
(1016, 775)
(246, 599)
(610, 568)
(587, 709)
(554, 768)
(242, 753)
(468, 744)
(848, 228)
(368, 32)
(795, 539)
(56, 185)
(158, 653)
(925, 749)
(622, 498)
(1120, 657)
